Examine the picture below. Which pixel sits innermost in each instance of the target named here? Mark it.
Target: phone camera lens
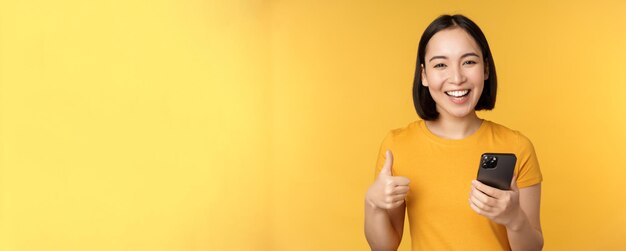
(489, 162)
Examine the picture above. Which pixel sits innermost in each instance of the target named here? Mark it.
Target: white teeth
(457, 93)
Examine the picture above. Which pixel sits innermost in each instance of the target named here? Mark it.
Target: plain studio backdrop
(255, 125)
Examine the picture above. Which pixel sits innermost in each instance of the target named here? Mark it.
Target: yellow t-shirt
(441, 171)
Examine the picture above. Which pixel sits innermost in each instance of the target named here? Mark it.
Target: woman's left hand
(501, 206)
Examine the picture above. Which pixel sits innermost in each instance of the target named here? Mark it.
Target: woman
(429, 166)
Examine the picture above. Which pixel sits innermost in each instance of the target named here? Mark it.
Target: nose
(457, 75)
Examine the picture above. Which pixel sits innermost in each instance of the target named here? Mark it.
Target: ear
(486, 69)
(423, 71)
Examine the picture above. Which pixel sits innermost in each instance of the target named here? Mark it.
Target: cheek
(478, 78)
(476, 75)
(478, 88)
(435, 81)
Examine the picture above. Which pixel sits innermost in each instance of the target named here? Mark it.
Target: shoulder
(508, 134)
(404, 133)
(511, 137)
(402, 136)
(527, 168)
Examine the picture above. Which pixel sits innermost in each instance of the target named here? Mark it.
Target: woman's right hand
(388, 191)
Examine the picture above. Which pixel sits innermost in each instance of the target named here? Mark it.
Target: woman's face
(454, 72)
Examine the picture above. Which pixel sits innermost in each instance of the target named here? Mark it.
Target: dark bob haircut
(423, 102)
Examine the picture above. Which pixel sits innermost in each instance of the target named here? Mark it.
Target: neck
(451, 127)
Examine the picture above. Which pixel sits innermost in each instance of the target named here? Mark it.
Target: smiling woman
(454, 73)
(447, 40)
(434, 159)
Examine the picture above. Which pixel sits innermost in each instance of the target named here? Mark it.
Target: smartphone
(496, 169)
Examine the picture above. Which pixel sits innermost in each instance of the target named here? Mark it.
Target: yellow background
(254, 125)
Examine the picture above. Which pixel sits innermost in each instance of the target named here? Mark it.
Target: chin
(460, 112)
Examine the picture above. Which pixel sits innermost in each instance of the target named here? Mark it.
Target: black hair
(423, 102)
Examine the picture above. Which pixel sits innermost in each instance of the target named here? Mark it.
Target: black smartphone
(496, 169)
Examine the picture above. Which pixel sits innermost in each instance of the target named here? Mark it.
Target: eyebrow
(444, 57)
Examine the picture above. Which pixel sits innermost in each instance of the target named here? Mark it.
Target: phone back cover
(500, 176)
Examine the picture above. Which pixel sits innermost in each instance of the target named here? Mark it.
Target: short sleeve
(386, 144)
(528, 172)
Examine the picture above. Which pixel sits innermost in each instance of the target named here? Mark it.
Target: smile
(458, 93)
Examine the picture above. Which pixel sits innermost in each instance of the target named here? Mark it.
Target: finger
(386, 170)
(514, 184)
(483, 197)
(401, 180)
(397, 197)
(400, 190)
(493, 192)
(476, 209)
(479, 204)
(392, 205)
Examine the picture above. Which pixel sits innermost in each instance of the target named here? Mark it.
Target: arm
(525, 231)
(384, 208)
(383, 227)
(516, 209)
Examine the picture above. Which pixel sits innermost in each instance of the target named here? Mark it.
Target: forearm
(379, 231)
(522, 235)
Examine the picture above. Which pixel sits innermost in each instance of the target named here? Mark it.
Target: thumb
(388, 163)
(514, 184)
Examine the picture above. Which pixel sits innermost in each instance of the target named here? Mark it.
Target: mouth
(458, 93)
(459, 97)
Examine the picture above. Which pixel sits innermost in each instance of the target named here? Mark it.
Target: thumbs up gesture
(388, 191)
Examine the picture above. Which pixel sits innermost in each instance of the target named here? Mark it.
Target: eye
(439, 65)
(470, 62)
